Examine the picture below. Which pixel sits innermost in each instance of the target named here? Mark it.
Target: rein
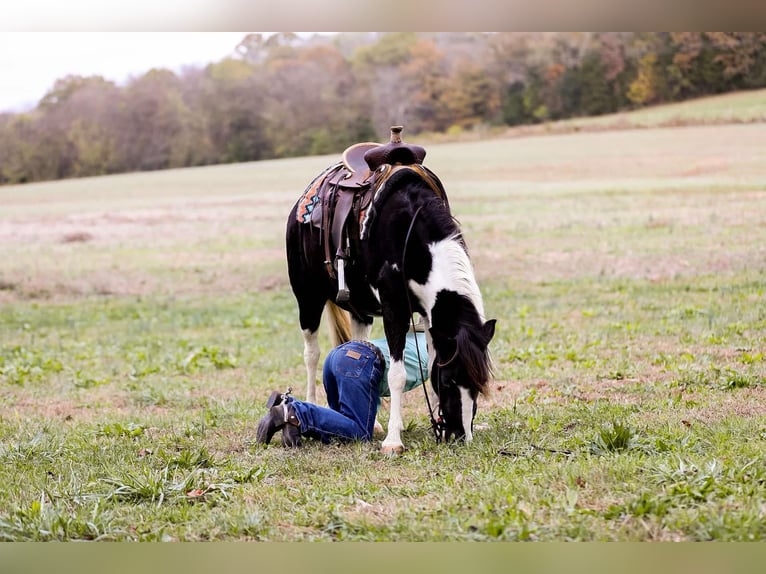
(437, 425)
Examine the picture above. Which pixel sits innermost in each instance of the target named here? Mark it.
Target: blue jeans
(351, 379)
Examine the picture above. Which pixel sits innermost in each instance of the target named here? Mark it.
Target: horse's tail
(339, 324)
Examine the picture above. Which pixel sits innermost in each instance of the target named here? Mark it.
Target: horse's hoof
(393, 450)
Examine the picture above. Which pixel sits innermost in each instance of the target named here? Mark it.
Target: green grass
(731, 108)
(735, 107)
(626, 272)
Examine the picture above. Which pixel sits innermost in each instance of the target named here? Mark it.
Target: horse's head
(460, 372)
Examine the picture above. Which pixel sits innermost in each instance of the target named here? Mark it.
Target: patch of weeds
(738, 329)
(249, 525)
(118, 429)
(744, 525)
(687, 443)
(141, 370)
(82, 381)
(692, 312)
(723, 378)
(150, 486)
(717, 339)
(536, 355)
(506, 523)
(645, 504)
(253, 474)
(40, 447)
(42, 521)
(207, 357)
(196, 429)
(751, 358)
(615, 438)
(158, 486)
(148, 396)
(20, 365)
(687, 481)
(730, 379)
(616, 375)
(189, 459)
(627, 327)
(671, 362)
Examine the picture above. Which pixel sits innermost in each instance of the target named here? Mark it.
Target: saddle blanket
(310, 198)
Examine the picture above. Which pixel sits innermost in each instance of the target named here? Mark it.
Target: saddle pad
(310, 198)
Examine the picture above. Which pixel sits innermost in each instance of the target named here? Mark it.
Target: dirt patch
(77, 237)
(742, 403)
(62, 409)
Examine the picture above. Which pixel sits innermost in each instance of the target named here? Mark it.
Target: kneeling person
(354, 378)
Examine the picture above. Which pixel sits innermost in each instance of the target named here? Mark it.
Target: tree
(471, 97)
(423, 74)
(513, 105)
(597, 95)
(379, 71)
(645, 88)
(157, 128)
(312, 103)
(229, 99)
(742, 55)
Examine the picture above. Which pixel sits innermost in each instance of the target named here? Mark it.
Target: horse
(401, 252)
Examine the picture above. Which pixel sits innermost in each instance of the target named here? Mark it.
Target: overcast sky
(30, 62)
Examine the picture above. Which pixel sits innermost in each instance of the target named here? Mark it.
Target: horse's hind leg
(310, 312)
(311, 360)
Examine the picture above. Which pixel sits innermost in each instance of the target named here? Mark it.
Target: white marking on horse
(360, 331)
(397, 377)
(466, 412)
(451, 270)
(429, 344)
(311, 360)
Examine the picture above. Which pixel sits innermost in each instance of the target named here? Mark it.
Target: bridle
(445, 363)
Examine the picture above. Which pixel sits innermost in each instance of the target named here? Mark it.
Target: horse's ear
(488, 330)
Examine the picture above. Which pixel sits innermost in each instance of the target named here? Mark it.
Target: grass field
(144, 318)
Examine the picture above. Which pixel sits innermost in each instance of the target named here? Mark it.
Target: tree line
(287, 95)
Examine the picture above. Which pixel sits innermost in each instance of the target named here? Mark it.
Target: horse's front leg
(395, 325)
(397, 378)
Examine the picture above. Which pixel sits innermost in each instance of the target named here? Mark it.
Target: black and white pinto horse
(411, 258)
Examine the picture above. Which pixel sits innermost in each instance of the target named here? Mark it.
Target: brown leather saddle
(347, 190)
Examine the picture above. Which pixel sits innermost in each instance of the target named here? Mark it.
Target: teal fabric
(414, 378)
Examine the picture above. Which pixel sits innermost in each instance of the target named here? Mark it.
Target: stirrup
(344, 294)
(277, 398)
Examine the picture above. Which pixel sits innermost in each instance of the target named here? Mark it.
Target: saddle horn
(395, 151)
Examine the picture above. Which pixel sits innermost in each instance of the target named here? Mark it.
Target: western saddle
(349, 187)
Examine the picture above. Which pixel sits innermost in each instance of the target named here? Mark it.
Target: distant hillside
(732, 108)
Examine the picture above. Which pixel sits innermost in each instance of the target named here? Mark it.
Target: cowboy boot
(281, 416)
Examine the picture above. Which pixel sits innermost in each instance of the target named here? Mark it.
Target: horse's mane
(435, 210)
(476, 359)
(457, 318)
(403, 177)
